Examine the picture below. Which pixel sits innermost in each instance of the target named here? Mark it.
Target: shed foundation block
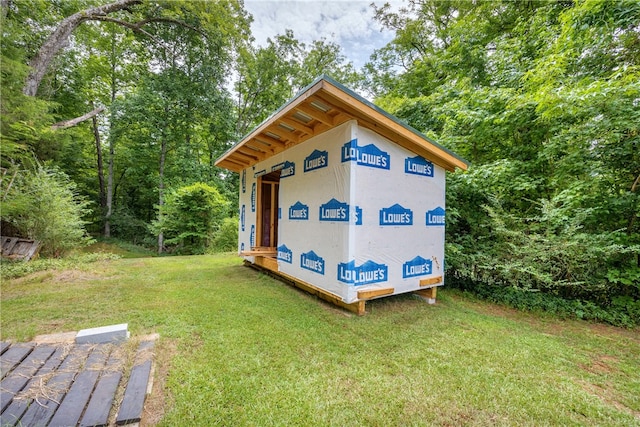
(429, 294)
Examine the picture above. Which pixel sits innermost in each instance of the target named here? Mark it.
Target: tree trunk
(112, 142)
(109, 203)
(163, 155)
(60, 37)
(101, 189)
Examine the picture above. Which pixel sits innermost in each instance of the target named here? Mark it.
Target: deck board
(136, 391)
(56, 387)
(99, 407)
(19, 377)
(74, 402)
(12, 414)
(13, 356)
(60, 383)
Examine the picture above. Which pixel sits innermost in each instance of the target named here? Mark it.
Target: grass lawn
(239, 348)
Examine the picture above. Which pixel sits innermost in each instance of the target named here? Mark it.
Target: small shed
(342, 199)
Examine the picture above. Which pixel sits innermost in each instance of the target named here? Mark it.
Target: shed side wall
(401, 239)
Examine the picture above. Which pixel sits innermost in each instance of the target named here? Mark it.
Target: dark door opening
(267, 229)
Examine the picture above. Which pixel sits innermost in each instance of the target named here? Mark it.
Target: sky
(348, 23)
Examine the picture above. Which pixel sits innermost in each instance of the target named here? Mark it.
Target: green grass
(119, 247)
(240, 348)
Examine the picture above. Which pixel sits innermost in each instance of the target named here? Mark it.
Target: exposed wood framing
(373, 293)
(270, 266)
(324, 105)
(431, 281)
(260, 251)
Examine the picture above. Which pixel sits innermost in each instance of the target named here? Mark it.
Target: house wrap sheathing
(342, 199)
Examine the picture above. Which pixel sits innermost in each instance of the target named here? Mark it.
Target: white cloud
(350, 24)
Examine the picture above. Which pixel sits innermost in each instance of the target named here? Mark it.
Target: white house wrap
(330, 200)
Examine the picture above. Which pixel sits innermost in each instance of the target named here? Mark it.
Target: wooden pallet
(18, 248)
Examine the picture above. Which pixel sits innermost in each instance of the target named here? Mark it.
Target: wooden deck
(67, 384)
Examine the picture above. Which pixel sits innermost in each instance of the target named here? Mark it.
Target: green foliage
(43, 205)
(226, 238)
(127, 226)
(622, 311)
(190, 217)
(542, 98)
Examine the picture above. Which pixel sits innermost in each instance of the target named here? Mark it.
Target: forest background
(113, 114)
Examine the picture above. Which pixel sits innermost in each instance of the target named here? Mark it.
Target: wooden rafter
(324, 105)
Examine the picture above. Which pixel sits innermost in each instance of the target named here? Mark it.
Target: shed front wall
(354, 213)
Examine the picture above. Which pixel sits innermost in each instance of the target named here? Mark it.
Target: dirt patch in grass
(160, 399)
(37, 277)
(75, 276)
(602, 364)
(608, 396)
(57, 276)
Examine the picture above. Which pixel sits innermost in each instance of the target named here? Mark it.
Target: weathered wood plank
(75, 400)
(16, 381)
(56, 387)
(12, 357)
(134, 395)
(97, 412)
(4, 345)
(18, 407)
(7, 244)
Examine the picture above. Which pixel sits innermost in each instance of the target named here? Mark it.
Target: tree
(542, 99)
(270, 76)
(191, 216)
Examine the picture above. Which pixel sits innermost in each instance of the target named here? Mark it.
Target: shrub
(43, 205)
(190, 217)
(226, 238)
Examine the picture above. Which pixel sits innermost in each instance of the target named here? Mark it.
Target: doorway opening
(267, 210)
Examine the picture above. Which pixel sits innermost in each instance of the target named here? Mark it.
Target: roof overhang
(321, 106)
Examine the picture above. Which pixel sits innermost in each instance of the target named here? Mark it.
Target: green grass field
(239, 348)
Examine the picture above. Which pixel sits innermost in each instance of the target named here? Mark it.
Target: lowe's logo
(316, 160)
(396, 215)
(311, 261)
(242, 217)
(369, 155)
(334, 210)
(285, 254)
(357, 215)
(417, 267)
(253, 197)
(435, 217)
(418, 166)
(299, 211)
(244, 181)
(369, 272)
(288, 169)
(252, 236)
